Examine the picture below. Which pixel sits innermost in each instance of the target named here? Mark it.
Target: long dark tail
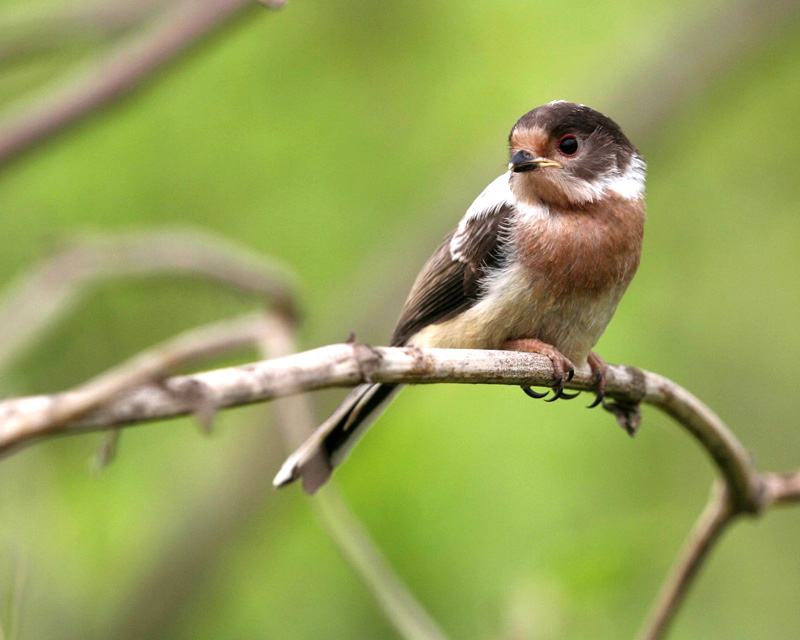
(333, 440)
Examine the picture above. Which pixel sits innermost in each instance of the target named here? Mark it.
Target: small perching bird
(538, 263)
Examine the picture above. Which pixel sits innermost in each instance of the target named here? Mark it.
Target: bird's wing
(449, 282)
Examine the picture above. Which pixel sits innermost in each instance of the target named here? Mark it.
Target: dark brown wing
(449, 283)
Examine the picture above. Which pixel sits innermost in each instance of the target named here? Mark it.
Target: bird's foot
(563, 369)
(598, 367)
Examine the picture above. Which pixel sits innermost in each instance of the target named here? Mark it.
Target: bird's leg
(561, 366)
(598, 367)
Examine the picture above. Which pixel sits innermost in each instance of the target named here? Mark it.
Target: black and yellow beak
(523, 161)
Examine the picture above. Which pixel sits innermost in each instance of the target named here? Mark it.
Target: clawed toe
(599, 370)
(598, 399)
(563, 369)
(533, 394)
(558, 391)
(563, 395)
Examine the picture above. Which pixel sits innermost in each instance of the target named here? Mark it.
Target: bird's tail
(333, 440)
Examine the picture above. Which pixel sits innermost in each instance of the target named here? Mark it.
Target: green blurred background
(345, 138)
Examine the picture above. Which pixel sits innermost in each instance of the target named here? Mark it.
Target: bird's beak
(524, 161)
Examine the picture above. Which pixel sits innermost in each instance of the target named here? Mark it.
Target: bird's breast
(585, 252)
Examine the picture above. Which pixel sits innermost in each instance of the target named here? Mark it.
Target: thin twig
(353, 363)
(147, 367)
(153, 365)
(782, 488)
(44, 19)
(31, 29)
(718, 514)
(294, 417)
(685, 64)
(392, 594)
(122, 71)
(40, 296)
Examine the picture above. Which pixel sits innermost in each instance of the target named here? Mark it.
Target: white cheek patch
(630, 185)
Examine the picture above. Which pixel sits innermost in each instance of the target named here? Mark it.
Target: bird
(538, 263)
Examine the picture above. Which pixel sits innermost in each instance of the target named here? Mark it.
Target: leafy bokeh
(345, 138)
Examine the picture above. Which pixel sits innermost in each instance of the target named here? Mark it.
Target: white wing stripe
(495, 196)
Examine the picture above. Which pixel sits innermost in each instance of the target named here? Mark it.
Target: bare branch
(122, 71)
(686, 63)
(30, 29)
(25, 420)
(294, 416)
(153, 365)
(718, 514)
(721, 511)
(352, 364)
(391, 593)
(782, 488)
(40, 296)
(147, 367)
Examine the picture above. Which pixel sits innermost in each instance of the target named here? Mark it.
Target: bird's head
(566, 155)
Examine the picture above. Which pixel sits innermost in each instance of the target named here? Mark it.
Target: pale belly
(515, 307)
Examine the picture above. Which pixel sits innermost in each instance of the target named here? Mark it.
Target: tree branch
(147, 367)
(122, 71)
(352, 364)
(40, 296)
(782, 488)
(719, 514)
(708, 529)
(28, 30)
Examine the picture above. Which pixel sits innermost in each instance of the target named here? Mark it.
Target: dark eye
(568, 145)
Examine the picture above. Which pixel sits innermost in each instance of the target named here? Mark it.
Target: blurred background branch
(40, 296)
(31, 30)
(295, 420)
(180, 25)
(690, 62)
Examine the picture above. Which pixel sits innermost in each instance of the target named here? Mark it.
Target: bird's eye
(568, 145)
